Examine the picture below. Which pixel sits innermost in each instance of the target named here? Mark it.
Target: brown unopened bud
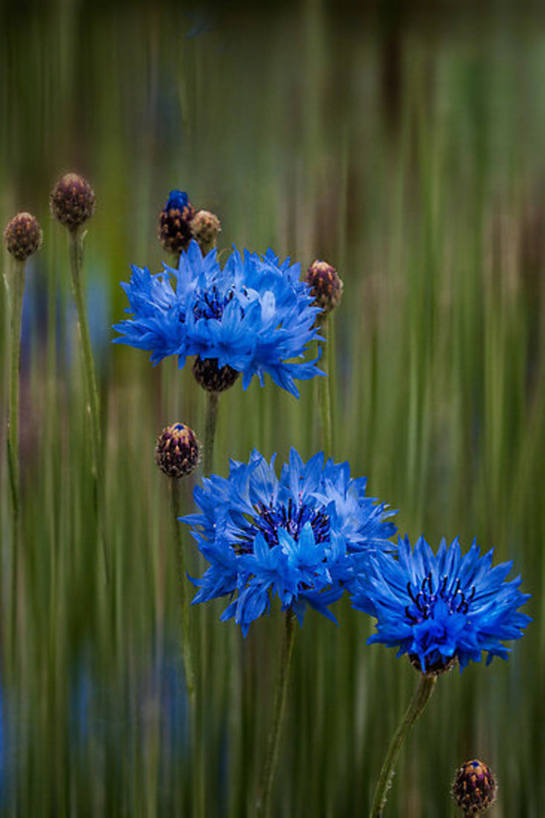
(175, 218)
(205, 228)
(213, 378)
(72, 200)
(325, 285)
(474, 788)
(22, 236)
(177, 450)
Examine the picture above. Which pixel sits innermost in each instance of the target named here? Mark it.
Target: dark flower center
(211, 303)
(291, 518)
(425, 598)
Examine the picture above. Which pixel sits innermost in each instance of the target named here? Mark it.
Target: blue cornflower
(254, 316)
(302, 537)
(442, 607)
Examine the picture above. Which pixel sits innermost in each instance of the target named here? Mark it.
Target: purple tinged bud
(177, 450)
(22, 236)
(474, 787)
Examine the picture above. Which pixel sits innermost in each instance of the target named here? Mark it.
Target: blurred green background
(407, 148)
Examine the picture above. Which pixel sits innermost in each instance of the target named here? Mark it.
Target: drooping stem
(422, 693)
(187, 652)
(89, 377)
(212, 400)
(325, 397)
(263, 805)
(16, 286)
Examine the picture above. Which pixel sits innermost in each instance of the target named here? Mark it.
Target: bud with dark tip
(474, 788)
(213, 378)
(177, 450)
(22, 236)
(175, 219)
(205, 228)
(72, 200)
(325, 285)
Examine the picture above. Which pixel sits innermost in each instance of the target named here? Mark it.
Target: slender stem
(16, 289)
(196, 713)
(187, 653)
(263, 805)
(212, 399)
(88, 366)
(422, 693)
(325, 398)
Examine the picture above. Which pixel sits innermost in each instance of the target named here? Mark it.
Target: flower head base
(326, 286)
(205, 228)
(174, 231)
(212, 377)
(302, 537)
(177, 450)
(72, 200)
(22, 236)
(474, 788)
(254, 315)
(442, 607)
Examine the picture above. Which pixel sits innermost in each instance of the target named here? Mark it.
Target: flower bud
(22, 236)
(205, 228)
(211, 377)
(175, 218)
(72, 200)
(474, 788)
(177, 450)
(325, 285)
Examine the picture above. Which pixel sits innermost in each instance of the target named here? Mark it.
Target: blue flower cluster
(304, 537)
(254, 315)
(441, 607)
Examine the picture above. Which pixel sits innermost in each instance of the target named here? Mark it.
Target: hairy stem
(422, 693)
(263, 805)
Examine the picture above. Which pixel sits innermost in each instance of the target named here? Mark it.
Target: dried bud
(72, 200)
(175, 218)
(22, 236)
(177, 450)
(474, 788)
(325, 285)
(211, 377)
(205, 228)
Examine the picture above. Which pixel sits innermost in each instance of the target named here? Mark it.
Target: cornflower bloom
(303, 537)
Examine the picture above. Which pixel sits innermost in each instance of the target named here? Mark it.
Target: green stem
(263, 805)
(422, 693)
(195, 706)
(187, 653)
(212, 399)
(76, 263)
(16, 289)
(325, 398)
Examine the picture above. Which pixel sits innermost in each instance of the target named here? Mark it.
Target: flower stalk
(325, 399)
(16, 288)
(211, 419)
(424, 689)
(75, 238)
(263, 805)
